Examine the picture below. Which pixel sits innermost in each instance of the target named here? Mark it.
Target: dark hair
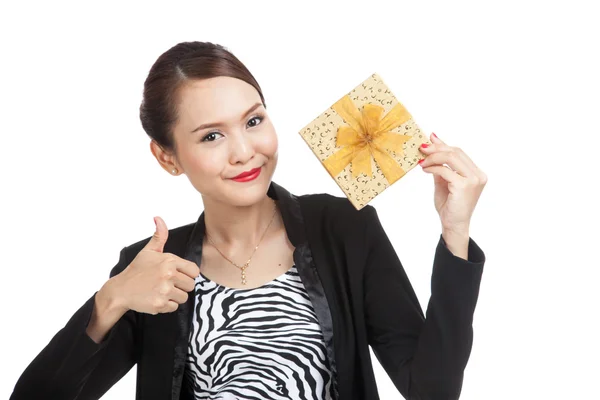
(183, 62)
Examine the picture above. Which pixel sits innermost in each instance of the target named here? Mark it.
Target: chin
(246, 194)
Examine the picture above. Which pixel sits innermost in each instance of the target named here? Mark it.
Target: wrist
(108, 299)
(457, 230)
(457, 242)
(459, 234)
(108, 309)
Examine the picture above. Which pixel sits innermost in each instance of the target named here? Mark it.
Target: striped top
(259, 343)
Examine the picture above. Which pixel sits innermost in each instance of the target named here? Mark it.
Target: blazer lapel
(307, 270)
(293, 221)
(193, 253)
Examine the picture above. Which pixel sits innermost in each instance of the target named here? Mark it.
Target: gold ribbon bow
(368, 135)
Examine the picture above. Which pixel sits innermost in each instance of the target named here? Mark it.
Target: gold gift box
(367, 140)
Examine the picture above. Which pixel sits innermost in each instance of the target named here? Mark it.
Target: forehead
(215, 99)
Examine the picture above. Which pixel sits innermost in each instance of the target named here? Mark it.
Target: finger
(428, 148)
(445, 173)
(178, 296)
(170, 307)
(452, 159)
(479, 173)
(436, 145)
(187, 267)
(435, 139)
(183, 282)
(465, 157)
(158, 240)
(440, 144)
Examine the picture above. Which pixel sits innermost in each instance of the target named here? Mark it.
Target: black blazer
(358, 287)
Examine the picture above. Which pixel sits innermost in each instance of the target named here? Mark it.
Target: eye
(258, 117)
(252, 122)
(210, 137)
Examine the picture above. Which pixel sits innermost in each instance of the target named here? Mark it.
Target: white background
(515, 84)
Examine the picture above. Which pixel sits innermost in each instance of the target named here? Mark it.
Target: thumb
(158, 240)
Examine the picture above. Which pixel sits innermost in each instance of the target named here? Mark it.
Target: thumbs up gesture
(155, 282)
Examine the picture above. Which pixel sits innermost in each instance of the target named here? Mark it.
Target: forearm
(69, 362)
(447, 335)
(424, 355)
(91, 352)
(58, 367)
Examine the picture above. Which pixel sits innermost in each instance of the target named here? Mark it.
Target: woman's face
(222, 131)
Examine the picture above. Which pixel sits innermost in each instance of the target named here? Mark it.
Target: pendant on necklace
(244, 274)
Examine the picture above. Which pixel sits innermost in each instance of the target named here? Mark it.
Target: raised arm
(424, 355)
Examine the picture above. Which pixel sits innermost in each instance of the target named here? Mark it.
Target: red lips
(247, 173)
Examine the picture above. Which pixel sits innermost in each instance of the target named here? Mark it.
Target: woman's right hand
(154, 282)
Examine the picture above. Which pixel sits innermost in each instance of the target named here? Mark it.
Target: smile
(248, 176)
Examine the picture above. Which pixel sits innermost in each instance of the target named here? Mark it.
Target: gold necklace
(247, 263)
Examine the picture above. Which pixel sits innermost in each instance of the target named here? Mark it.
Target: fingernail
(421, 160)
(434, 135)
(424, 145)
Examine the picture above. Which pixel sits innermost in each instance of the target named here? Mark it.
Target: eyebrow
(217, 124)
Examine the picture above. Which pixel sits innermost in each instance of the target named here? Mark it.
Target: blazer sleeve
(424, 355)
(73, 366)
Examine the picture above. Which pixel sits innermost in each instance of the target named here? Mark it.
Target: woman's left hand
(457, 185)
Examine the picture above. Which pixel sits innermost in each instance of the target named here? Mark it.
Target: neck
(240, 227)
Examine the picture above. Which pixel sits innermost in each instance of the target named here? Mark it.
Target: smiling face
(222, 131)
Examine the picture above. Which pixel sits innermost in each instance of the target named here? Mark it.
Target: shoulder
(325, 202)
(324, 208)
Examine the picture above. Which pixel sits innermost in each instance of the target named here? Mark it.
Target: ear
(166, 159)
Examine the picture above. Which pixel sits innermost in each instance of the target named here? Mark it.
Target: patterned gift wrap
(367, 141)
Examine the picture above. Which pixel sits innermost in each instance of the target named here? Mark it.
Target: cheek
(205, 162)
(268, 143)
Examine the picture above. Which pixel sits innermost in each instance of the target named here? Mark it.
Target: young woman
(268, 295)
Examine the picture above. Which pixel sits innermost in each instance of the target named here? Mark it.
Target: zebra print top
(259, 343)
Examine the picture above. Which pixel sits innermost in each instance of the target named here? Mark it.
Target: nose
(241, 149)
